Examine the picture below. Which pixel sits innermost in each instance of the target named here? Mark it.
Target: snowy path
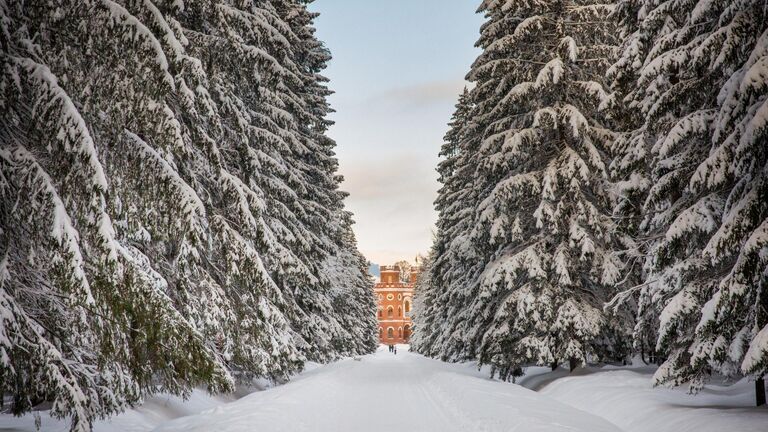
(383, 391)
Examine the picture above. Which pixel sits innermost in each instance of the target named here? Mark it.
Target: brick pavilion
(395, 300)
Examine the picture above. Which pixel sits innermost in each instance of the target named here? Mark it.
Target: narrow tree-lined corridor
(175, 217)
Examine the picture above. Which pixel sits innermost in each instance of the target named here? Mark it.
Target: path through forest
(385, 392)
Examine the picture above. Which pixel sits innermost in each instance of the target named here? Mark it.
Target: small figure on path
(395, 350)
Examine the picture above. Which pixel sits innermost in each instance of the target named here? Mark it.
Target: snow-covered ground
(154, 411)
(627, 398)
(383, 391)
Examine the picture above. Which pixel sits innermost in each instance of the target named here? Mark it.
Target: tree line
(170, 210)
(605, 191)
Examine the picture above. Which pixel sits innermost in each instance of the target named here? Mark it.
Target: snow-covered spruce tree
(288, 168)
(425, 311)
(405, 270)
(352, 297)
(630, 172)
(541, 226)
(347, 322)
(701, 85)
(87, 322)
(166, 187)
(313, 200)
(453, 259)
(247, 142)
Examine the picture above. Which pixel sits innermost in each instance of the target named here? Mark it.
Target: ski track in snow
(383, 392)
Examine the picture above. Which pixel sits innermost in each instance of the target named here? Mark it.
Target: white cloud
(392, 197)
(424, 94)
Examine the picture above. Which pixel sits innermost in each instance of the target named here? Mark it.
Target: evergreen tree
(352, 297)
(453, 259)
(630, 171)
(425, 312)
(540, 232)
(700, 84)
(552, 264)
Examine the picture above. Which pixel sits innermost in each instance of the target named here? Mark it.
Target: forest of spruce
(170, 211)
(604, 192)
(171, 216)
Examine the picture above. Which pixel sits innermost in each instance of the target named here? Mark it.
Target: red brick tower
(395, 299)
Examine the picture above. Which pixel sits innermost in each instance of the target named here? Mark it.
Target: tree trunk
(518, 372)
(553, 365)
(573, 363)
(760, 392)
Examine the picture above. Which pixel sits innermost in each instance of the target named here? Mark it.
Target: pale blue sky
(397, 69)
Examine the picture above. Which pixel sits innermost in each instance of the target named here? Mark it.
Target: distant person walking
(394, 349)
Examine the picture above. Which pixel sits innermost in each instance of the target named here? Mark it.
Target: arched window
(399, 296)
(407, 305)
(407, 332)
(381, 332)
(400, 332)
(381, 314)
(390, 311)
(399, 311)
(390, 333)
